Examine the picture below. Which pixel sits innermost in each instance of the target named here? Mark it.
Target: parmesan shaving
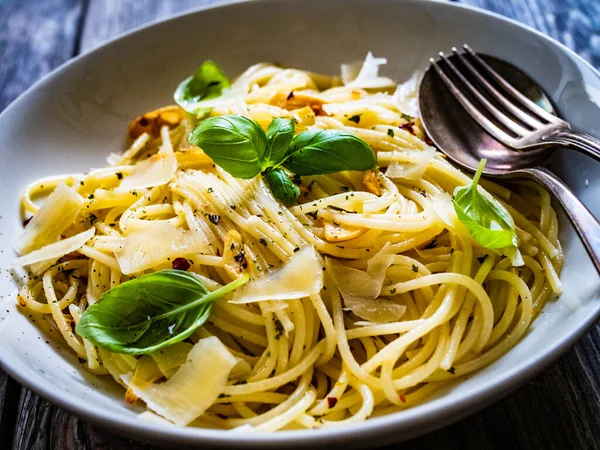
(193, 388)
(52, 252)
(300, 277)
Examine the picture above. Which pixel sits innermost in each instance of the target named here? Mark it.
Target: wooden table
(559, 409)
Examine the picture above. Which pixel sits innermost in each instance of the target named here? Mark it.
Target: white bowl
(73, 118)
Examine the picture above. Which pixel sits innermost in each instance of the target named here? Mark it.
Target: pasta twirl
(413, 305)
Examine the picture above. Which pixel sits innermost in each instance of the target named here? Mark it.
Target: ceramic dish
(73, 118)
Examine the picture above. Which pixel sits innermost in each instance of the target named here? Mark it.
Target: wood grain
(35, 37)
(558, 410)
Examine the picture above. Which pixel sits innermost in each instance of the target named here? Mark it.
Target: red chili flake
(181, 264)
(332, 401)
(402, 398)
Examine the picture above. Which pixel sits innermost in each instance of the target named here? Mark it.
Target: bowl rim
(441, 410)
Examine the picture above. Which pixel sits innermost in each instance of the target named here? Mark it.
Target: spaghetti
(307, 362)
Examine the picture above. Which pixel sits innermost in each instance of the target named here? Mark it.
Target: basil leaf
(282, 187)
(235, 143)
(279, 137)
(486, 219)
(318, 152)
(150, 312)
(207, 82)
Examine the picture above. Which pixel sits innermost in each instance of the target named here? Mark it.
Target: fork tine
(536, 109)
(492, 91)
(481, 119)
(499, 115)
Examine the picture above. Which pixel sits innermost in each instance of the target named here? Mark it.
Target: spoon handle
(576, 140)
(586, 225)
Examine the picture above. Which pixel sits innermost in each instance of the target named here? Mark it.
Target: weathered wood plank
(108, 18)
(575, 23)
(559, 409)
(35, 37)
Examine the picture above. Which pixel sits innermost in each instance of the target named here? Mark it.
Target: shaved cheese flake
(406, 95)
(149, 416)
(154, 243)
(300, 277)
(157, 170)
(117, 364)
(365, 75)
(443, 207)
(193, 388)
(171, 358)
(58, 212)
(52, 252)
(414, 165)
(360, 289)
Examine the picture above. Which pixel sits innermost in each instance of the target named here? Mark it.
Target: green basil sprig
(235, 143)
(319, 152)
(240, 146)
(207, 82)
(282, 187)
(150, 312)
(488, 222)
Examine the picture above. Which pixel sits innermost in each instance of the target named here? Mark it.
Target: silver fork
(537, 127)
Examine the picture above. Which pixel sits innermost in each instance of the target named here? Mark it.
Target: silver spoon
(456, 134)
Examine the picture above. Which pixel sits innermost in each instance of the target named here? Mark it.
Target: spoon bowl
(453, 130)
(466, 143)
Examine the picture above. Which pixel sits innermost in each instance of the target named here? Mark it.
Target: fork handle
(576, 140)
(582, 219)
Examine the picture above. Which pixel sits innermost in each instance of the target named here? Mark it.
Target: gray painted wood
(559, 409)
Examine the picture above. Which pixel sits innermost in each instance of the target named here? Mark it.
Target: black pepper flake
(240, 256)
(432, 244)
(91, 196)
(390, 132)
(279, 329)
(290, 95)
(345, 188)
(313, 215)
(263, 241)
(119, 175)
(26, 221)
(297, 249)
(482, 259)
(332, 401)
(355, 118)
(180, 264)
(210, 190)
(452, 370)
(451, 250)
(415, 268)
(214, 218)
(93, 219)
(232, 206)
(393, 291)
